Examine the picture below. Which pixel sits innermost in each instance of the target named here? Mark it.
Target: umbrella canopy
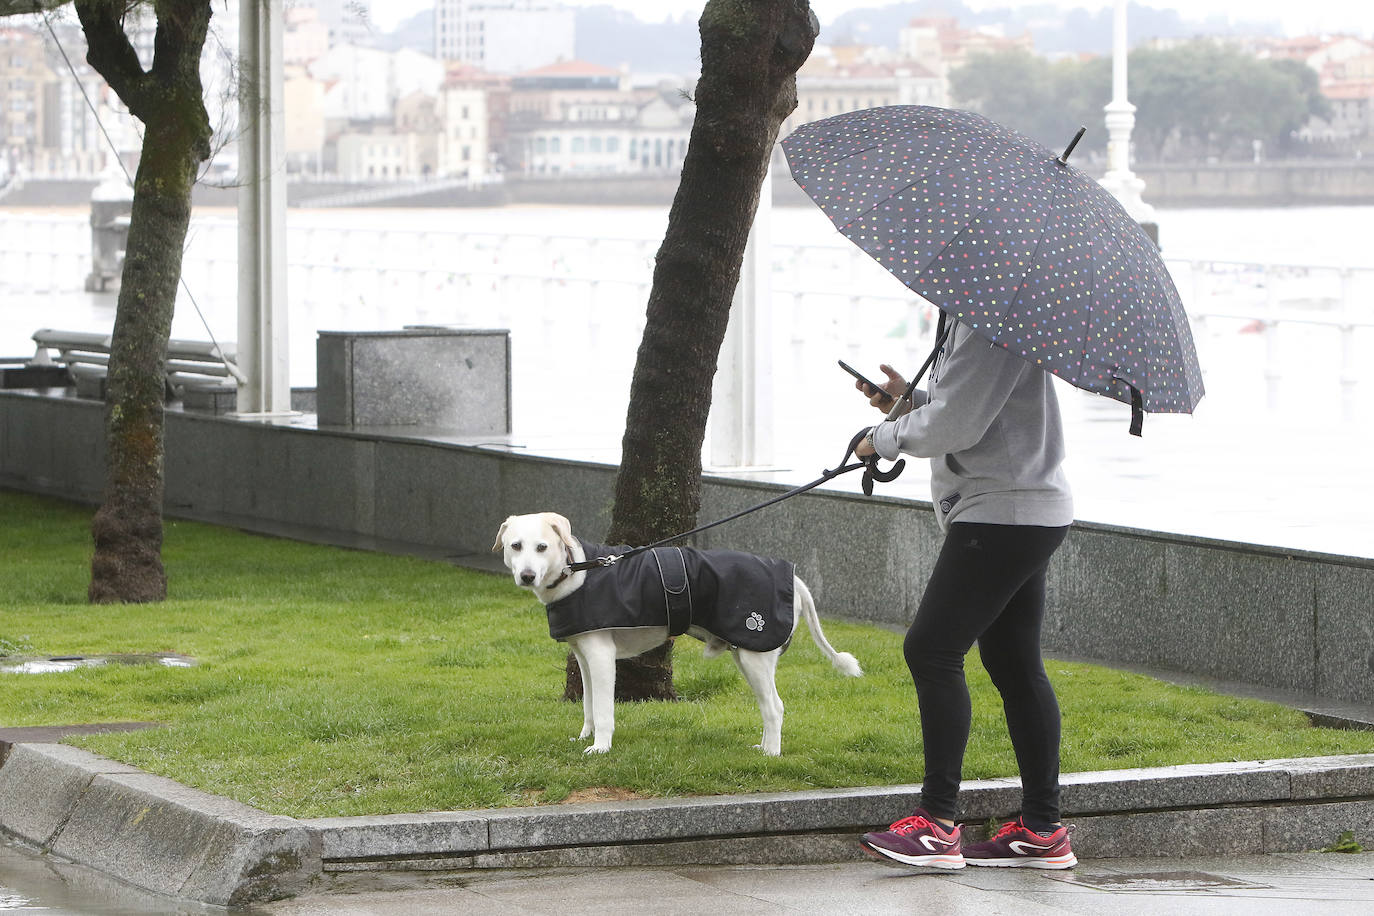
(1001, 234)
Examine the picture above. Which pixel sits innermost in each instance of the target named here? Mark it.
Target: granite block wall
(1259, 615)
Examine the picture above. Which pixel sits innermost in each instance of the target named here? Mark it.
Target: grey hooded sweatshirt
(990, 426)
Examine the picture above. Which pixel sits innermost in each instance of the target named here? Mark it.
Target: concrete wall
(1273, 618)
(1259, 184)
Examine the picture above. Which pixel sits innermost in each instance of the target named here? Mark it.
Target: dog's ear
(561, 527)
(500, 533)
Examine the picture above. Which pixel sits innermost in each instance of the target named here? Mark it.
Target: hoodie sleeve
(976, 379)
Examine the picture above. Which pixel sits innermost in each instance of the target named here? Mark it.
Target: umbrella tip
(1064, 158)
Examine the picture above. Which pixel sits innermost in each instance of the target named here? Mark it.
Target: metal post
(264, 341)
(1273, 367)
(1349, 374)
(741, 423)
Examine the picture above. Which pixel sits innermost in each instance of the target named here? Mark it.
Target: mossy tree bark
(168, 99)
(750, 53)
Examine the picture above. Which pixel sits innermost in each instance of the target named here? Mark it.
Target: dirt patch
(601, 793)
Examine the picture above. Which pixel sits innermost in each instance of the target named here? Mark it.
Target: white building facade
(503, 36)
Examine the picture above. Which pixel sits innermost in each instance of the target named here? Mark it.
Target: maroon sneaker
(1017, 846)
(919, 841)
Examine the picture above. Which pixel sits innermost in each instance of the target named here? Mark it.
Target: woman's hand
(882, 398)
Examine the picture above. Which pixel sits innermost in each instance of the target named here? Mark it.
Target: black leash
(871, 474)
(870, 465)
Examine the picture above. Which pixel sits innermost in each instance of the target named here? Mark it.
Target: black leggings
(988, 586)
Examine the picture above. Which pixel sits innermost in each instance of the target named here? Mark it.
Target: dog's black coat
(738, 597)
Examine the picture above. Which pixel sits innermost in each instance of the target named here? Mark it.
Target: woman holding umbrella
(1040, 272)
(990, 424)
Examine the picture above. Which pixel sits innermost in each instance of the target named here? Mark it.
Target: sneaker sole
(888, 857)
(1045, 862)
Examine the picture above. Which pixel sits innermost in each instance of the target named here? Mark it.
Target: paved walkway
(1307, 883)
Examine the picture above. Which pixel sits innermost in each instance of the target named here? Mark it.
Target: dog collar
(567, 570)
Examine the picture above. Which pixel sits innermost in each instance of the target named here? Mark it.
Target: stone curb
(165, 837)
(152, 832)
(1230, 808)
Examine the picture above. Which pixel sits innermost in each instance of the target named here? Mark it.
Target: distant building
(1345, 73)
(305, 37)
(503, 36)
(379, 154)
(365, 83)
(303, 103)
(941, 45)
(23, 73)
(345, 21)
(580, 118)
(850, 78)
(472, 109)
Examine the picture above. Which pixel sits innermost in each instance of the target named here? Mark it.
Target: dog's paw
(584, 734)
(769, 751)
(596, 749)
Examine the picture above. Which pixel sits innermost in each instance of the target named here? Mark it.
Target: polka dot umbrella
(1011, 241)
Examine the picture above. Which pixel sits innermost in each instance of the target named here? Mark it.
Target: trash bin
(454, 378)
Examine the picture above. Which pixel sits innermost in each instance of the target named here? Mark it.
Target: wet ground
(1307, 883)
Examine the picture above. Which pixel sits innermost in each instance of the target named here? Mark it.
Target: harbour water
(1276, 454)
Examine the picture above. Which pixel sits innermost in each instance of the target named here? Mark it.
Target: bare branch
(109, 52)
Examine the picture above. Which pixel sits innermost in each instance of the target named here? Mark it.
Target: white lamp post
(1120, 180)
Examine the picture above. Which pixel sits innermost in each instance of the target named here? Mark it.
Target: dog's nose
(527, 578)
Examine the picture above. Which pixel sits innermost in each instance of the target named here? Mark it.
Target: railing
(829, 299)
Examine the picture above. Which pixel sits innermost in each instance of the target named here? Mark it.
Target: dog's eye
(542, 547)
(516, 546)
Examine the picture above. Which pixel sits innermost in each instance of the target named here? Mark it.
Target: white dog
(539, 548)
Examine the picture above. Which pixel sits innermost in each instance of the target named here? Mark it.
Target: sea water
(1277, 453)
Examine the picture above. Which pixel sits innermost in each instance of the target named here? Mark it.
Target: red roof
(571, 68)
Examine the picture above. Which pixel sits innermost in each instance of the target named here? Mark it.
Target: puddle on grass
(55, 664)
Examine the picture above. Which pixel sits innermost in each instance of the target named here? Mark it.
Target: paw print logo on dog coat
(754, 621)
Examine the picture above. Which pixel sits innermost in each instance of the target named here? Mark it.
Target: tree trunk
(750, 52)
(127, 529)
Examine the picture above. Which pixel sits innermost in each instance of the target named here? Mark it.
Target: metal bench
(199, 374)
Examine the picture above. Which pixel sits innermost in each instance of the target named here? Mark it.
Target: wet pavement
(1308, 883)
(32, 883)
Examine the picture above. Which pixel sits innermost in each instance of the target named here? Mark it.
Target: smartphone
(859, 375)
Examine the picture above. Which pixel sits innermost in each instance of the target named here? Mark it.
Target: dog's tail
(844, 663)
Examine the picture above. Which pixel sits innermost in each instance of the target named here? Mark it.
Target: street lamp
(1120, 180)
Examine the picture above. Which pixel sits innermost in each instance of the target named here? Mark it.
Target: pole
(263, 344)
(741, 422)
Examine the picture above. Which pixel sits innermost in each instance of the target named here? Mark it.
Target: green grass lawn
(335, 682)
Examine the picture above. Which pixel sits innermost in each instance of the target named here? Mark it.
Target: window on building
(540, 145)
(554, 144)
(596, 144)
(579, 145)
(613, 145)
